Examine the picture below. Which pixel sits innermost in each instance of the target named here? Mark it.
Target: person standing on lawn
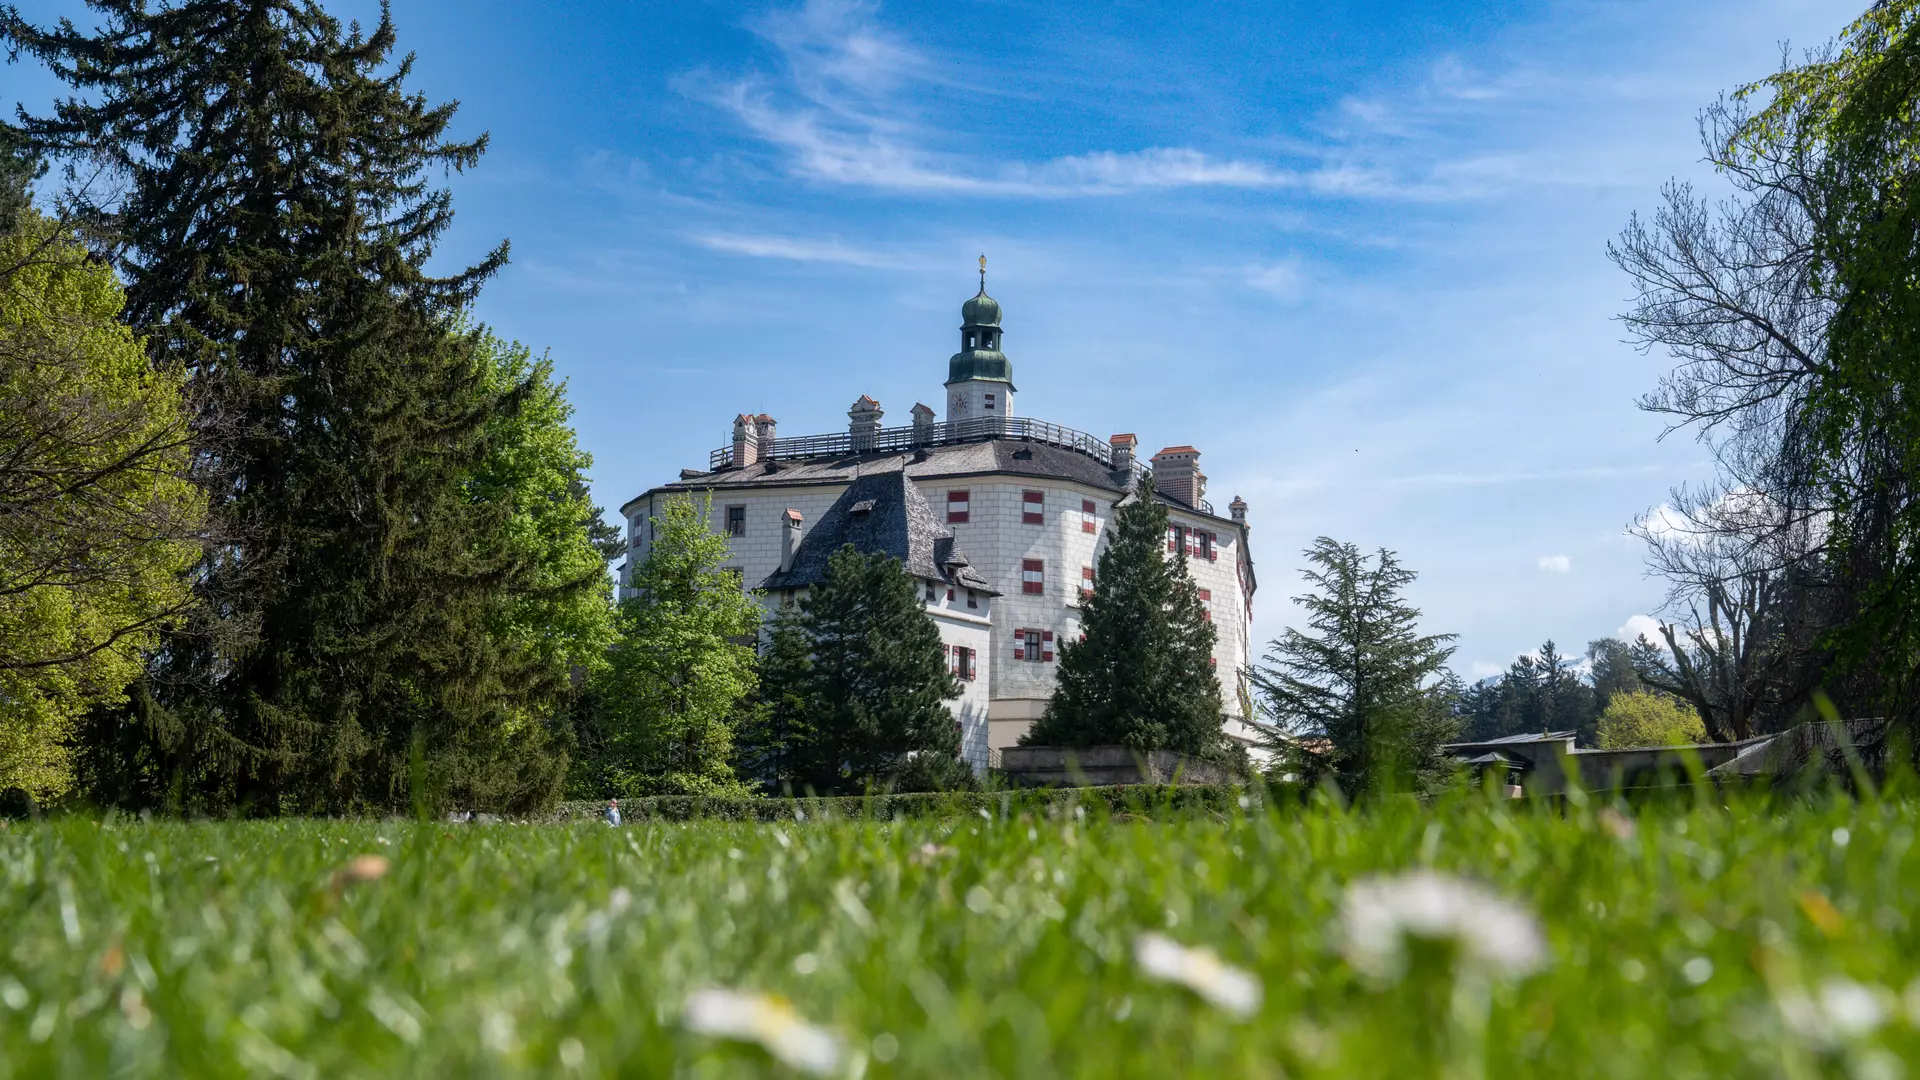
(613, 811)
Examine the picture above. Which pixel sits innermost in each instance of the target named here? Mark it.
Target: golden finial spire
(983, 273)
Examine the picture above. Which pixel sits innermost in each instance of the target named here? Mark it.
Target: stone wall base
(1096, 766)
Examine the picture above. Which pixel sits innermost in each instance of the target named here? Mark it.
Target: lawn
(1688, 940)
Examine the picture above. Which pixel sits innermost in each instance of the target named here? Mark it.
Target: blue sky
(1353, 252)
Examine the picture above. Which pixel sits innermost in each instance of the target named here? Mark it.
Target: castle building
(1001, 519)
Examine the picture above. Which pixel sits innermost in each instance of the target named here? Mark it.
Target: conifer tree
(877, 691)
(274, 220)
(679, 671)
(1141, 676)
(774, 739)
(19, 168)
(1361, 679)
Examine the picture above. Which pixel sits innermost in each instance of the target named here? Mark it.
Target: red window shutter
(957, 506)
(1033, 577)
(1046, 635)
(973, 669)
(1173, 540)
(1086, 506)
(1033, 508)
(1019, 644)
(1046, 646)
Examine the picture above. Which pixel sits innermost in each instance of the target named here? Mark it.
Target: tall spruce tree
(1361, 680)
(275, 217)
(877, 688)
(1142, 676)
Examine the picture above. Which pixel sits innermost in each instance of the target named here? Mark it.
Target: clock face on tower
(957, 404)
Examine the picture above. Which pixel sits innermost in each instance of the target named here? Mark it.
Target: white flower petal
(767, 1021)
(1494, 934)
(1226, 987)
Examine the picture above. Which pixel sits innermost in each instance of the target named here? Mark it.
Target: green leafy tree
(876, 694)
(679, 670)
(273, 222)
(1644, 718)
(535, 469)
(1790, 309)
(1142, 675)
(1361, 690)
(98, 516)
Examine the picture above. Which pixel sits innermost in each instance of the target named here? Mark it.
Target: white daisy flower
(768, 1021)
(1838, 1010)
(1494, 934)
(1200, 970)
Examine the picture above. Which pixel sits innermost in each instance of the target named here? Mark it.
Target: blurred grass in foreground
(1682, 939)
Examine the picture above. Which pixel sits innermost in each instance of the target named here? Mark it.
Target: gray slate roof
(884, 512)
(1523, 737)
(1017, 457)
(962, 459)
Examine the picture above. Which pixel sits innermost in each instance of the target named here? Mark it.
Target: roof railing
(896, 440)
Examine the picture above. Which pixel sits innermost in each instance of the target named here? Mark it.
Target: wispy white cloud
(846, 143)
(1559, 564)
(842, 113)
(800, 249)
(1519, 476)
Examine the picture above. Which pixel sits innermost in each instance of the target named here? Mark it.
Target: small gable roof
(882, 512)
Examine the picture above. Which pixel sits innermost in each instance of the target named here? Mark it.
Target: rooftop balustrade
(896, 440)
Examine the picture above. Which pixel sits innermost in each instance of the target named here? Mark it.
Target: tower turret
(979, 376)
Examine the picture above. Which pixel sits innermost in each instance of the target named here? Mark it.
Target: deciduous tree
(99, 519)
(1644, 718)
(679, 669)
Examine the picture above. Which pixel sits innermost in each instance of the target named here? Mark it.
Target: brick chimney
(1238, 508)
(863, 423)
(922, 425)
(1123, 452)
(790, 522)
(746, 441)
(1176, 474)
(763, 431)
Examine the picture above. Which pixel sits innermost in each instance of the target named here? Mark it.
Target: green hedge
(1132, 799)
